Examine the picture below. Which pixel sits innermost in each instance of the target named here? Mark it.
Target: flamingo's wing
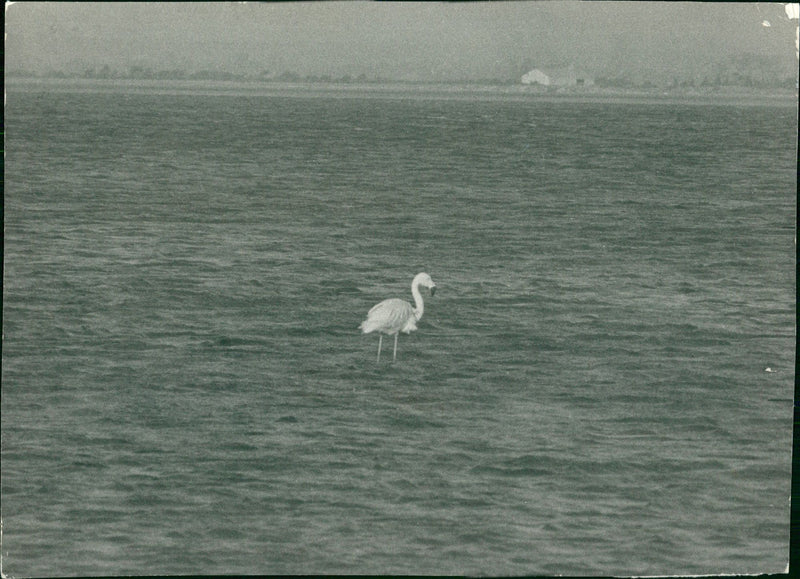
(390, 316)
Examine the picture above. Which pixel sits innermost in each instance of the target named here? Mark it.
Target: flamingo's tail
(366, 327)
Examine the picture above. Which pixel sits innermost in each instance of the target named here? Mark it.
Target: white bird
(394, 315)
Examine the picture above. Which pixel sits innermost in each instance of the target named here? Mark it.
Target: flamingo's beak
(433, 289)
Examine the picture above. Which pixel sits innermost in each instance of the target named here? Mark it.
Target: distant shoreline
(713, 95)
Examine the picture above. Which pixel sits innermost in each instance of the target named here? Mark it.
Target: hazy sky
(437, 41)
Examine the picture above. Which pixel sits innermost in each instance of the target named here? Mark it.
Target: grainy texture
(186, 391)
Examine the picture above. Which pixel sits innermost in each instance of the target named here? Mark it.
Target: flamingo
(394, 315)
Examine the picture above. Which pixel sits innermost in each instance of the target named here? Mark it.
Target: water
(185, 389)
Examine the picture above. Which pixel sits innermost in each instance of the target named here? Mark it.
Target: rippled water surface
(185, 389)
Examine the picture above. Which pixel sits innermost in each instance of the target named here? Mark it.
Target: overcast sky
(427, 41)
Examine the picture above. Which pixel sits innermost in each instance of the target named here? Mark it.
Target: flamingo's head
(425, 280)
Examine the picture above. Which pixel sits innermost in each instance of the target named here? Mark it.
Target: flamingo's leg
(380, 342)
(394, 356)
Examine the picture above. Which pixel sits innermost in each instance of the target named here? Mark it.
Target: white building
(557, 77)
(536, 76)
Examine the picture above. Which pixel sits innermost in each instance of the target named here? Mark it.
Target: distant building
(557, 77)
(536, 76)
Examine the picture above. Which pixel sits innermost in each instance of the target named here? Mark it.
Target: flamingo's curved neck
(418, 303)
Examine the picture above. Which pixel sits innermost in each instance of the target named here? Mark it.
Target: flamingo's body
(394, 315)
